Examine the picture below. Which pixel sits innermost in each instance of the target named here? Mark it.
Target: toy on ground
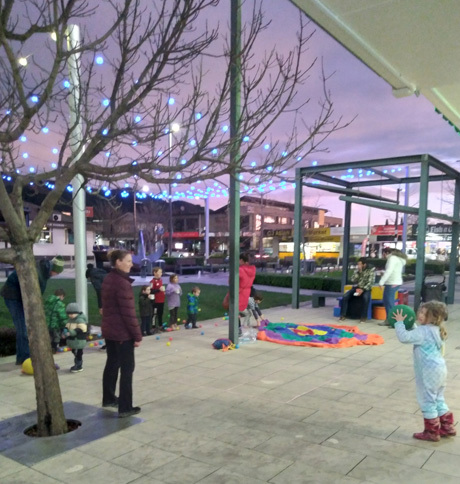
(407, 311)
(27, 367)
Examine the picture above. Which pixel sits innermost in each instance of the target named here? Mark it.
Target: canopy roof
(411, 44)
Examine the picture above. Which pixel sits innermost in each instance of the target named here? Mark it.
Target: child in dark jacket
(146, 310)
(76, 331)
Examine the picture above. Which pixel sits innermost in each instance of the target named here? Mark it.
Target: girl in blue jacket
(430, 368)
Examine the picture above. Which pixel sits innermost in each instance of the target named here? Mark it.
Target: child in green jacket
(76, 331)
(56, 317)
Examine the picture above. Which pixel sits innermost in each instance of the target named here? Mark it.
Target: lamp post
(173, 128)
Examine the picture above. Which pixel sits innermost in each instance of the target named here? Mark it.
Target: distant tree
(120, 123)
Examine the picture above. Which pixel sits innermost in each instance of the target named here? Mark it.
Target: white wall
(59, 245)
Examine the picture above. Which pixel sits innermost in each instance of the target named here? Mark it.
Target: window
(46, 237)
(69, 237)
(283, 220)
(268, 219)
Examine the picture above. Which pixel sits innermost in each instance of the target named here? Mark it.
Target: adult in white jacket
(392, 278)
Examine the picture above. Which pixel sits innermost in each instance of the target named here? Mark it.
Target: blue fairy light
(69, 188)
(198, 116)
(183, 162)
(225, 128)
(105, 132)
(171, 101)
(66, 84)
(350, 170)
(55, 151)
(137, 119)
(178, 176)
(25, 155)
(246, 138)
(133, 143)
(134, 163)
(159, 153)
(253, 164)
(269, 168)
(192, 142)
(34, 98)
(299, 158)
(23, 138)
(53, 166)
(99, 60)
(31, 169)
(105, 102)
(45, 130)
(107, 154)
(107, 193)
(314, 163)
(284, 154)
(266, 146)
(215, 151)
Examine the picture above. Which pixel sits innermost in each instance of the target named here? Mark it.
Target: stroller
(434, 290)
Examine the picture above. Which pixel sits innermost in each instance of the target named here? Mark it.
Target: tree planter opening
(72, 425)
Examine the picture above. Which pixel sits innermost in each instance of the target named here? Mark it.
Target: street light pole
(174, 127)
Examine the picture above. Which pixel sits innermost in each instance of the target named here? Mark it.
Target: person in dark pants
(122, 334)
(363, 279)
(11, 292)
(96, 276)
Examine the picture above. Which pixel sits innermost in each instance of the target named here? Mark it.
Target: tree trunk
(50, 411)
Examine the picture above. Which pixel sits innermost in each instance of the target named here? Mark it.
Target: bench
(318, 298)
(215, 264)
(188, 263)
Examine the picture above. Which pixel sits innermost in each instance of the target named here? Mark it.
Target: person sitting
(363, 279)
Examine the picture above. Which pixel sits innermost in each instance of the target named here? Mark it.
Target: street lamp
(173, 128)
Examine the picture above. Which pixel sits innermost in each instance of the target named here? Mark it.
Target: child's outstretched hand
(398, 315)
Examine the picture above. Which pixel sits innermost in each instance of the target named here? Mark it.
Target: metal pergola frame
(351, 193)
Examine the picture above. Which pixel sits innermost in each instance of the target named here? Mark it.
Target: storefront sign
(280, 233)
(388, 230)
(439, 229)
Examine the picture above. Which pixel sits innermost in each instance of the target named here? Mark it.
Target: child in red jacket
(158, 290)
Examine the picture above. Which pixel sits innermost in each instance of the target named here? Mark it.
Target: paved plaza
(264, 413)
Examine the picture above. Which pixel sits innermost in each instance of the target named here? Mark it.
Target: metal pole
(171, 224)
(454, 246)
(298, 232)
(406, 203)
(206, 228)
(346, 243)
(234, 193)
(421, 235)
(79, 195)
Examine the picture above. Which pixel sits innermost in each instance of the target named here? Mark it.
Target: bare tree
(152, 50)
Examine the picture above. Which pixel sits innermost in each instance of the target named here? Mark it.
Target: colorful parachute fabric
(322, 335)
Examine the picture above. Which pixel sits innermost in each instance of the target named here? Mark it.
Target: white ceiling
(413, 44)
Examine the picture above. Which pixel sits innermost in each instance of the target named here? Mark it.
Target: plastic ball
(406, 311)
(282, 319)
(96, 343)
(27, 367)
(202, 333)
(168, 344)
(199, 309)
(90, 338)
(60, 350)
(101, 343)
(91, 345)
(237, 346)
(158, 337)
(178, 320)
(215, 324)
(99, 335)
(65, 349)
(223, 319)
(170, 338)
(225, 314)
(200, 325)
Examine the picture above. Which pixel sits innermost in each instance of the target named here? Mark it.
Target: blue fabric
(389, 294)
(22, 342)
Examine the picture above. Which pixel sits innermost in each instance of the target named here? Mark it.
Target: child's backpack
(221, 342)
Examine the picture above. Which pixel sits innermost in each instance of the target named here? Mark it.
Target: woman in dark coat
(122, 334)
